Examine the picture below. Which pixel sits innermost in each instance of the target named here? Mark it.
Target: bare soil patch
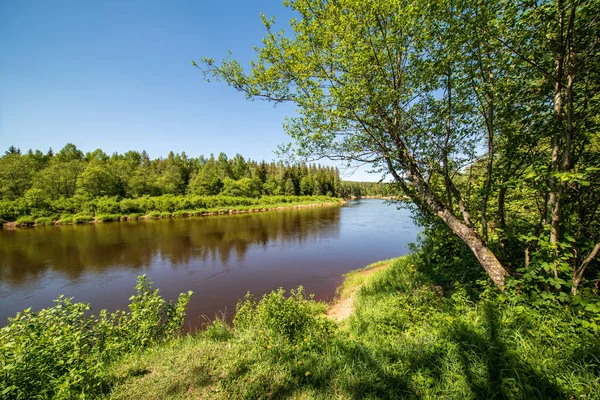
(343, 308)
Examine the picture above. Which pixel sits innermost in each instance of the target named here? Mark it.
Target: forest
(484, 116)
(37, 187)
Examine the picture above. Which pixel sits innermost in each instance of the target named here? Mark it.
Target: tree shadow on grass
(491, 369)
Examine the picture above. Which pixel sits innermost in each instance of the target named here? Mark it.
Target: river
(220, 258)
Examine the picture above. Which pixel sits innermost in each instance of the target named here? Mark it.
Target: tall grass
(409, 338)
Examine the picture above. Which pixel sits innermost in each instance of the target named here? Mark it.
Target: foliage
(25, 221)
(94, 184)
(43, 221)
(408, 338)
(63, 352)
(108, 217)
(482, 113)
(291, 318)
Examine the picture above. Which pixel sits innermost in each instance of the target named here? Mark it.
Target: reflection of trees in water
(71, 250)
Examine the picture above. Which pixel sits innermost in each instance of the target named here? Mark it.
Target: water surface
(219, 258)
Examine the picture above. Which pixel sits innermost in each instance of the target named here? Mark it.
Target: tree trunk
(484, 255)
(423, 196)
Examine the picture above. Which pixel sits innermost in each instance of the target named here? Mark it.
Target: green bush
(218, 331)
(290, 317)
(82, 218)
(183, 213)
(43, 221)
(63, 352)
(108, 217)
(134, 216)
(154, 215)
(165, 214)
(25, 221)
(65, 220)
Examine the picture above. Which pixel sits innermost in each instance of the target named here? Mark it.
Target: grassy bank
(110, 209)
(409, 337)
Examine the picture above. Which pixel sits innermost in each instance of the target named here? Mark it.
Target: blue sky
(117, 75)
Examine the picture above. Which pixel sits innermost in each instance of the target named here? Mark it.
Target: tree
(16, 172)
(96, 181)
(416, 90)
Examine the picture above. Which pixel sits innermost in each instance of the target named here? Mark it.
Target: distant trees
(69, 178)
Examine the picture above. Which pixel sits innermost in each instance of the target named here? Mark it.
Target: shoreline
(12, 225)
(342, 306)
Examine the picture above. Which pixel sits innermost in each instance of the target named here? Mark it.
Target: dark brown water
(219, 258)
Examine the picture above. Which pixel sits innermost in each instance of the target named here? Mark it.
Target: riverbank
(257, 205)
(408, 336)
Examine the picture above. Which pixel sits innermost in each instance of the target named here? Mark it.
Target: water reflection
(219, 258)
(25, 255)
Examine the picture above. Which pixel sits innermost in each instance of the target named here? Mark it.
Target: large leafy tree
(421, 89)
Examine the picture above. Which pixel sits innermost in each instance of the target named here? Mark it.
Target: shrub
(82, 218)
(130, 206)
(65, 220)
(134, 217)
(154, 215)
(108, 217)
(63, 352)
(9, 210)
(218, 331)
(165, 214)
(183, 213)
(290, 317)
(43, 221)
(25, 221)
(107, 205)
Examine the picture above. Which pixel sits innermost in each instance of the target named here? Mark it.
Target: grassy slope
(408, 338)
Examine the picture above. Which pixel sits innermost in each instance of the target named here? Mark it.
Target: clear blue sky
(116, 75)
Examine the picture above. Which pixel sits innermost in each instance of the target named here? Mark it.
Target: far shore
(231, 211)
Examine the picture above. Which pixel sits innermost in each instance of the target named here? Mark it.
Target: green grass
(25, 221)
(108, 217)
(178, 206)
(409, 338)
(65, 220)
(153, 215)
(82, 218)
(43, 221)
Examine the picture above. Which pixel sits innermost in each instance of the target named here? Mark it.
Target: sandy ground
(342, 309)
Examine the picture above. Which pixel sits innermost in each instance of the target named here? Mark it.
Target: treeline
(371, 189)
(133, 174)
(48, 184)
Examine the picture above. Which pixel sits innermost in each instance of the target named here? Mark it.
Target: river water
(220, 258)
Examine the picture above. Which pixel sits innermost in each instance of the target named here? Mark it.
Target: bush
(43, 221)
(165, 214)
(183, 213)
(82, 218)
(290, 317)
(154, 215)
(63, 352)
(65, 220)
(107, 205)
(25, 221)
(108, 217)
(134, 217)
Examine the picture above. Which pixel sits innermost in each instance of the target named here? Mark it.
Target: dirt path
(342, 309)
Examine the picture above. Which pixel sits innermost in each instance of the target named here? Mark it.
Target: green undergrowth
(408, 338)
(64, 352)
(161, 207)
